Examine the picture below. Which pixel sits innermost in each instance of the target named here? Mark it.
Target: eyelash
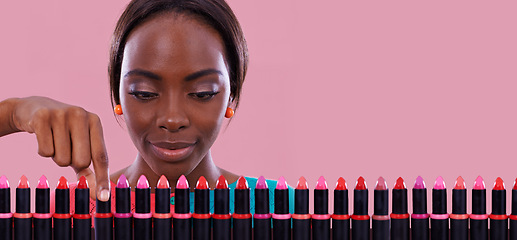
(203, 96)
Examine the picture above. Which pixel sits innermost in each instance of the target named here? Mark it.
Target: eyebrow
(188, 78)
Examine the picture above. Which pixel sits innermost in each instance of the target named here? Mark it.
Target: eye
(204, 96)
(142, 95)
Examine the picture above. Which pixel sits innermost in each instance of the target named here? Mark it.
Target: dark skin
(174, 93)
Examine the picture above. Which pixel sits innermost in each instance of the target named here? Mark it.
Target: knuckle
(45, 152)
(62, 161)
(77, 112)
(81, 164)
(42, 114)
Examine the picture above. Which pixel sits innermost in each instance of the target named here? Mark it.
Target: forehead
(172, 39)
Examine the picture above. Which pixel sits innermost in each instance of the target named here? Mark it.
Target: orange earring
(229, 113)
(118, 109)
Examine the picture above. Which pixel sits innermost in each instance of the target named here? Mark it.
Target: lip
(173, 151)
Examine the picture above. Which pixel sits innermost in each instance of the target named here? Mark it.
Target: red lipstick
(221, 216)
(399, 213)
(242, 217)
(82, 219)
(202, 216)
(360, 218)
(498, 218)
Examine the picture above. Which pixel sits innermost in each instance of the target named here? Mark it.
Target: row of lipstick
(142, 224)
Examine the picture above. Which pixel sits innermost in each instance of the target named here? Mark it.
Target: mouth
(173, 151)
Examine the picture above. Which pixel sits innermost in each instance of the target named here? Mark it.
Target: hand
(68, 134)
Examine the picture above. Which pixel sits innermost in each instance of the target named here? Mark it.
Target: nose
(173, 116)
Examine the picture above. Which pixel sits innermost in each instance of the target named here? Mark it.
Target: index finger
(99, 158)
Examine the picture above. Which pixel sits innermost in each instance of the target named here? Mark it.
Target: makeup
(321, 216)
(301, 217)
(23, 216)
(242, 216)
(360, 218)
(162, 210)
(6, 216)
(459, 217)
(340, 218)
(439, 216)
(221, 217)
(62, 217)
(262, 216)
(399, 214)
(82, 220)
(420, 217)
(142, 216)
(42, 219)
(281, 216)
(181, 219)
(513, 215)
(380, 217)
(202, 217)
(103, 220)
(123, 217)
(478, 217)
(498, 218)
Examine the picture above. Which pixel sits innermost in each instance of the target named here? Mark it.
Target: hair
(215, 13)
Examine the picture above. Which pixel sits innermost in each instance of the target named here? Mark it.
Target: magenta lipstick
(498, 218)
(142, 216)
(242, 216)
(321, 216)
(181, 219)
(6, 216)
(380, 217)
(439, 216)
(419, 218)
(221, 217)
(281, 216)
(340, 218)
(478, 217)
(301, 217)
(82, 220)
(42, 219)
(399, 213)
(459, 217)
(23, 215)
(262, 216)
(202, 217)
(162, 210)
(360, 218)
(62, 217)
(123, 218)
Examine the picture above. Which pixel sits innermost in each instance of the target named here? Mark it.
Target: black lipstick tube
(380, 217)
(142, 217)
(399, 215)
(262, 216)
(513, 216)
(321, 216)
(181, 219)
(103, 220)
(478, 218)
(23, 216)
(162, 214)
(82, 220)
(360, 218)
(498, 218)
(42, 217)
(301, 217)
(420, 218)
(340, 218)
(201, 216)
(459, 217)
(242, 216)
(62, 217)
(222, 217)
(281, 217)
(6, 216)
(439, 216)
(123, 217)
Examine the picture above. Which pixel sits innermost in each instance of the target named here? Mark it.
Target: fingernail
(104, 195)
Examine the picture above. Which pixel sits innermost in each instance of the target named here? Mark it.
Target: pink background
(344, 88)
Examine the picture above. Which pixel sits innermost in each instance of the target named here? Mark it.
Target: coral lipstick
(142, 216)
(399, 214)
(62, 217)
(6, 216)
(242, 216)
(123, 216)
(201, 216)
(340, 218)
(42, 218)
(478, 217)
(281, 217)
(181, 219)
(459, 217)
(513, 216)
(301, 216)
(380, 217)
(439, 216)
(23, 216)
(82, 221)
(360, 218)
(321, 216)
(419, 218)
(498, 218)
(262, 216)
(221, 217)
(162, 211)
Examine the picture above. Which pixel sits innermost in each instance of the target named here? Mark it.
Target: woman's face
(174, 91)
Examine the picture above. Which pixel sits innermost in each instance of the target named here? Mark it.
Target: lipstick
(123, 216)
(360, 218)
(479, 218)
(181, 219)
(399, 213)
(23, 216)
(321, 216)
(281, 216)
(340, 218)
(103, 220)
(380, 217)
(242, 216)
(221, 217)
(142, 216)
(162, 211)
(301, 216)
(82, 220)
(6, 217)
(498, 218)
(42, 217)
(513, 216)
(459, 217)
(419, 218)
(262, 216)
(201, 216)
(62, 217)
(439, 216)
